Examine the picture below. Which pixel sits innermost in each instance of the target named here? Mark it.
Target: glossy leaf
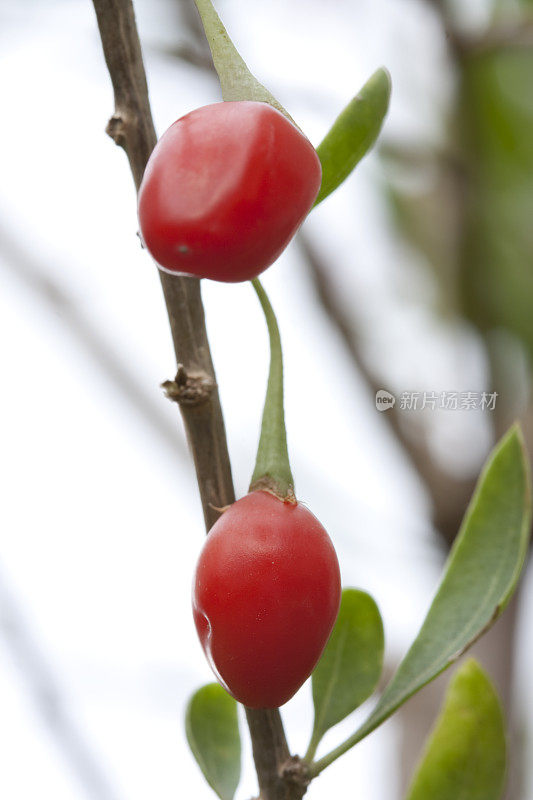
(236, 80)
(480, 576)
(465, 754)
(351, 664)
(354, 132)
(213, 734)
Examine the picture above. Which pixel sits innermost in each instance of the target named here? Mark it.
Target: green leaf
(212, 731)
(353, 133)
(351, 664)
(236, 80)
(480, 576)
(464, 758)
(272, 470)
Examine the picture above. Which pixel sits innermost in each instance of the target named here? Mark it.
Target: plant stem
(221, 46)
(131, 127)
(272, 468)
(313, 744)
(318, 766)
(236, 80)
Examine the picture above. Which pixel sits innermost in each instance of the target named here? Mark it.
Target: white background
(99, 515)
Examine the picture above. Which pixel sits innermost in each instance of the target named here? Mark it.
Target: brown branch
(132, 128)
(285, 776)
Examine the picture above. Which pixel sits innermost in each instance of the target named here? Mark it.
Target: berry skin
(265, 598)
(225, 190)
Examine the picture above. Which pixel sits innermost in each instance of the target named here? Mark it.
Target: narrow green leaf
(354, 132)
(236, 80)
(351, 664)
(212, 730)
(464, 758)
(480, 576)
(272, 467)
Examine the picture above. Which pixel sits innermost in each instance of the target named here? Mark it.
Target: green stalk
(272, 468)
(236, 80)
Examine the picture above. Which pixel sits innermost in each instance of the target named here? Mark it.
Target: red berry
(225, 190)
(265, 599)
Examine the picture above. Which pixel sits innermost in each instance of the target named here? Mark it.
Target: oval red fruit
(266, 596)
(225, 190)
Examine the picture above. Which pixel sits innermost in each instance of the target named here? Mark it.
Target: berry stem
(272, 468)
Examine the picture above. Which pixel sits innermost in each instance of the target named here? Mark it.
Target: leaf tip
(379, 85)
(515, 438)
(385, 78)
(212, 731)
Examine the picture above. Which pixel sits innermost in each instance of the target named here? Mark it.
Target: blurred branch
(195, 48)
(186, 52)
(49, 701)
(449, 495)
(131, 126)
(442, 9)
(418, 156)
(33, 274)
(501, 36)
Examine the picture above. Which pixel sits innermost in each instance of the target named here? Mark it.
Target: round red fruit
(225, 190)
(266, 596)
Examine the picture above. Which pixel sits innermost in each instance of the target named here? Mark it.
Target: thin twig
(132, 128)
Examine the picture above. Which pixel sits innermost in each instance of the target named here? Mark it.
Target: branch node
(116, 129)
(295, 774)
(189, 387)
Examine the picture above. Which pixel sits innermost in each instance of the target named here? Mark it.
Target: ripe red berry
(225, 190)
(265, 598)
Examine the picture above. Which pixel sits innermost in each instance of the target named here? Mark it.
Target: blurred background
(415, 278)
